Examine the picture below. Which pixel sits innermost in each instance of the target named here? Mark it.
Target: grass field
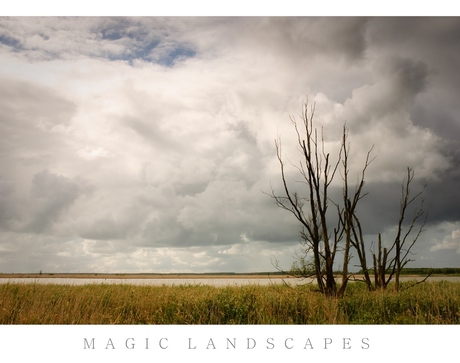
(427, 303)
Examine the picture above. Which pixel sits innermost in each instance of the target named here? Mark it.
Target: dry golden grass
(428, 303)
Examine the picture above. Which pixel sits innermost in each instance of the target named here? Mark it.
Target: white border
(228, 8)
(209, 343)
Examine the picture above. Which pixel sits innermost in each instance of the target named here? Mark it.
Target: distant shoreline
(145, 275)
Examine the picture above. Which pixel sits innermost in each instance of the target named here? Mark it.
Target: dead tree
(388, 262)
(321, 243)
(348, 217)
(403, 242)
(319, 239)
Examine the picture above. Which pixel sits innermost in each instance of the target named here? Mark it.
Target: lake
(189, 281)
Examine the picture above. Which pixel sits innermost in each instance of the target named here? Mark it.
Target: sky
(146, 144)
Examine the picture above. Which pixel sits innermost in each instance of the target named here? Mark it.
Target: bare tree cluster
(323, 243)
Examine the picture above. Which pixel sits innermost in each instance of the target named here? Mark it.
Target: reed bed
(427, 303)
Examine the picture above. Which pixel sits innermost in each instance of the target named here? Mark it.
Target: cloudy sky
(146, 144)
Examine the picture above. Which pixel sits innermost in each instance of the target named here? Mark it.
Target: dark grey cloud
(410, 74)
(104, 229)
(50, 196)
(431, 40)
(27, 113)
(345, 39)
(442, 198)
(8, 211)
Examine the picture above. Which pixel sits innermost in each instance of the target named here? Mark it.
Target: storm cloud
(147, 144)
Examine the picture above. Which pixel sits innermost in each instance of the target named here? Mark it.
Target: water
(189, 281)
(153, 282)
